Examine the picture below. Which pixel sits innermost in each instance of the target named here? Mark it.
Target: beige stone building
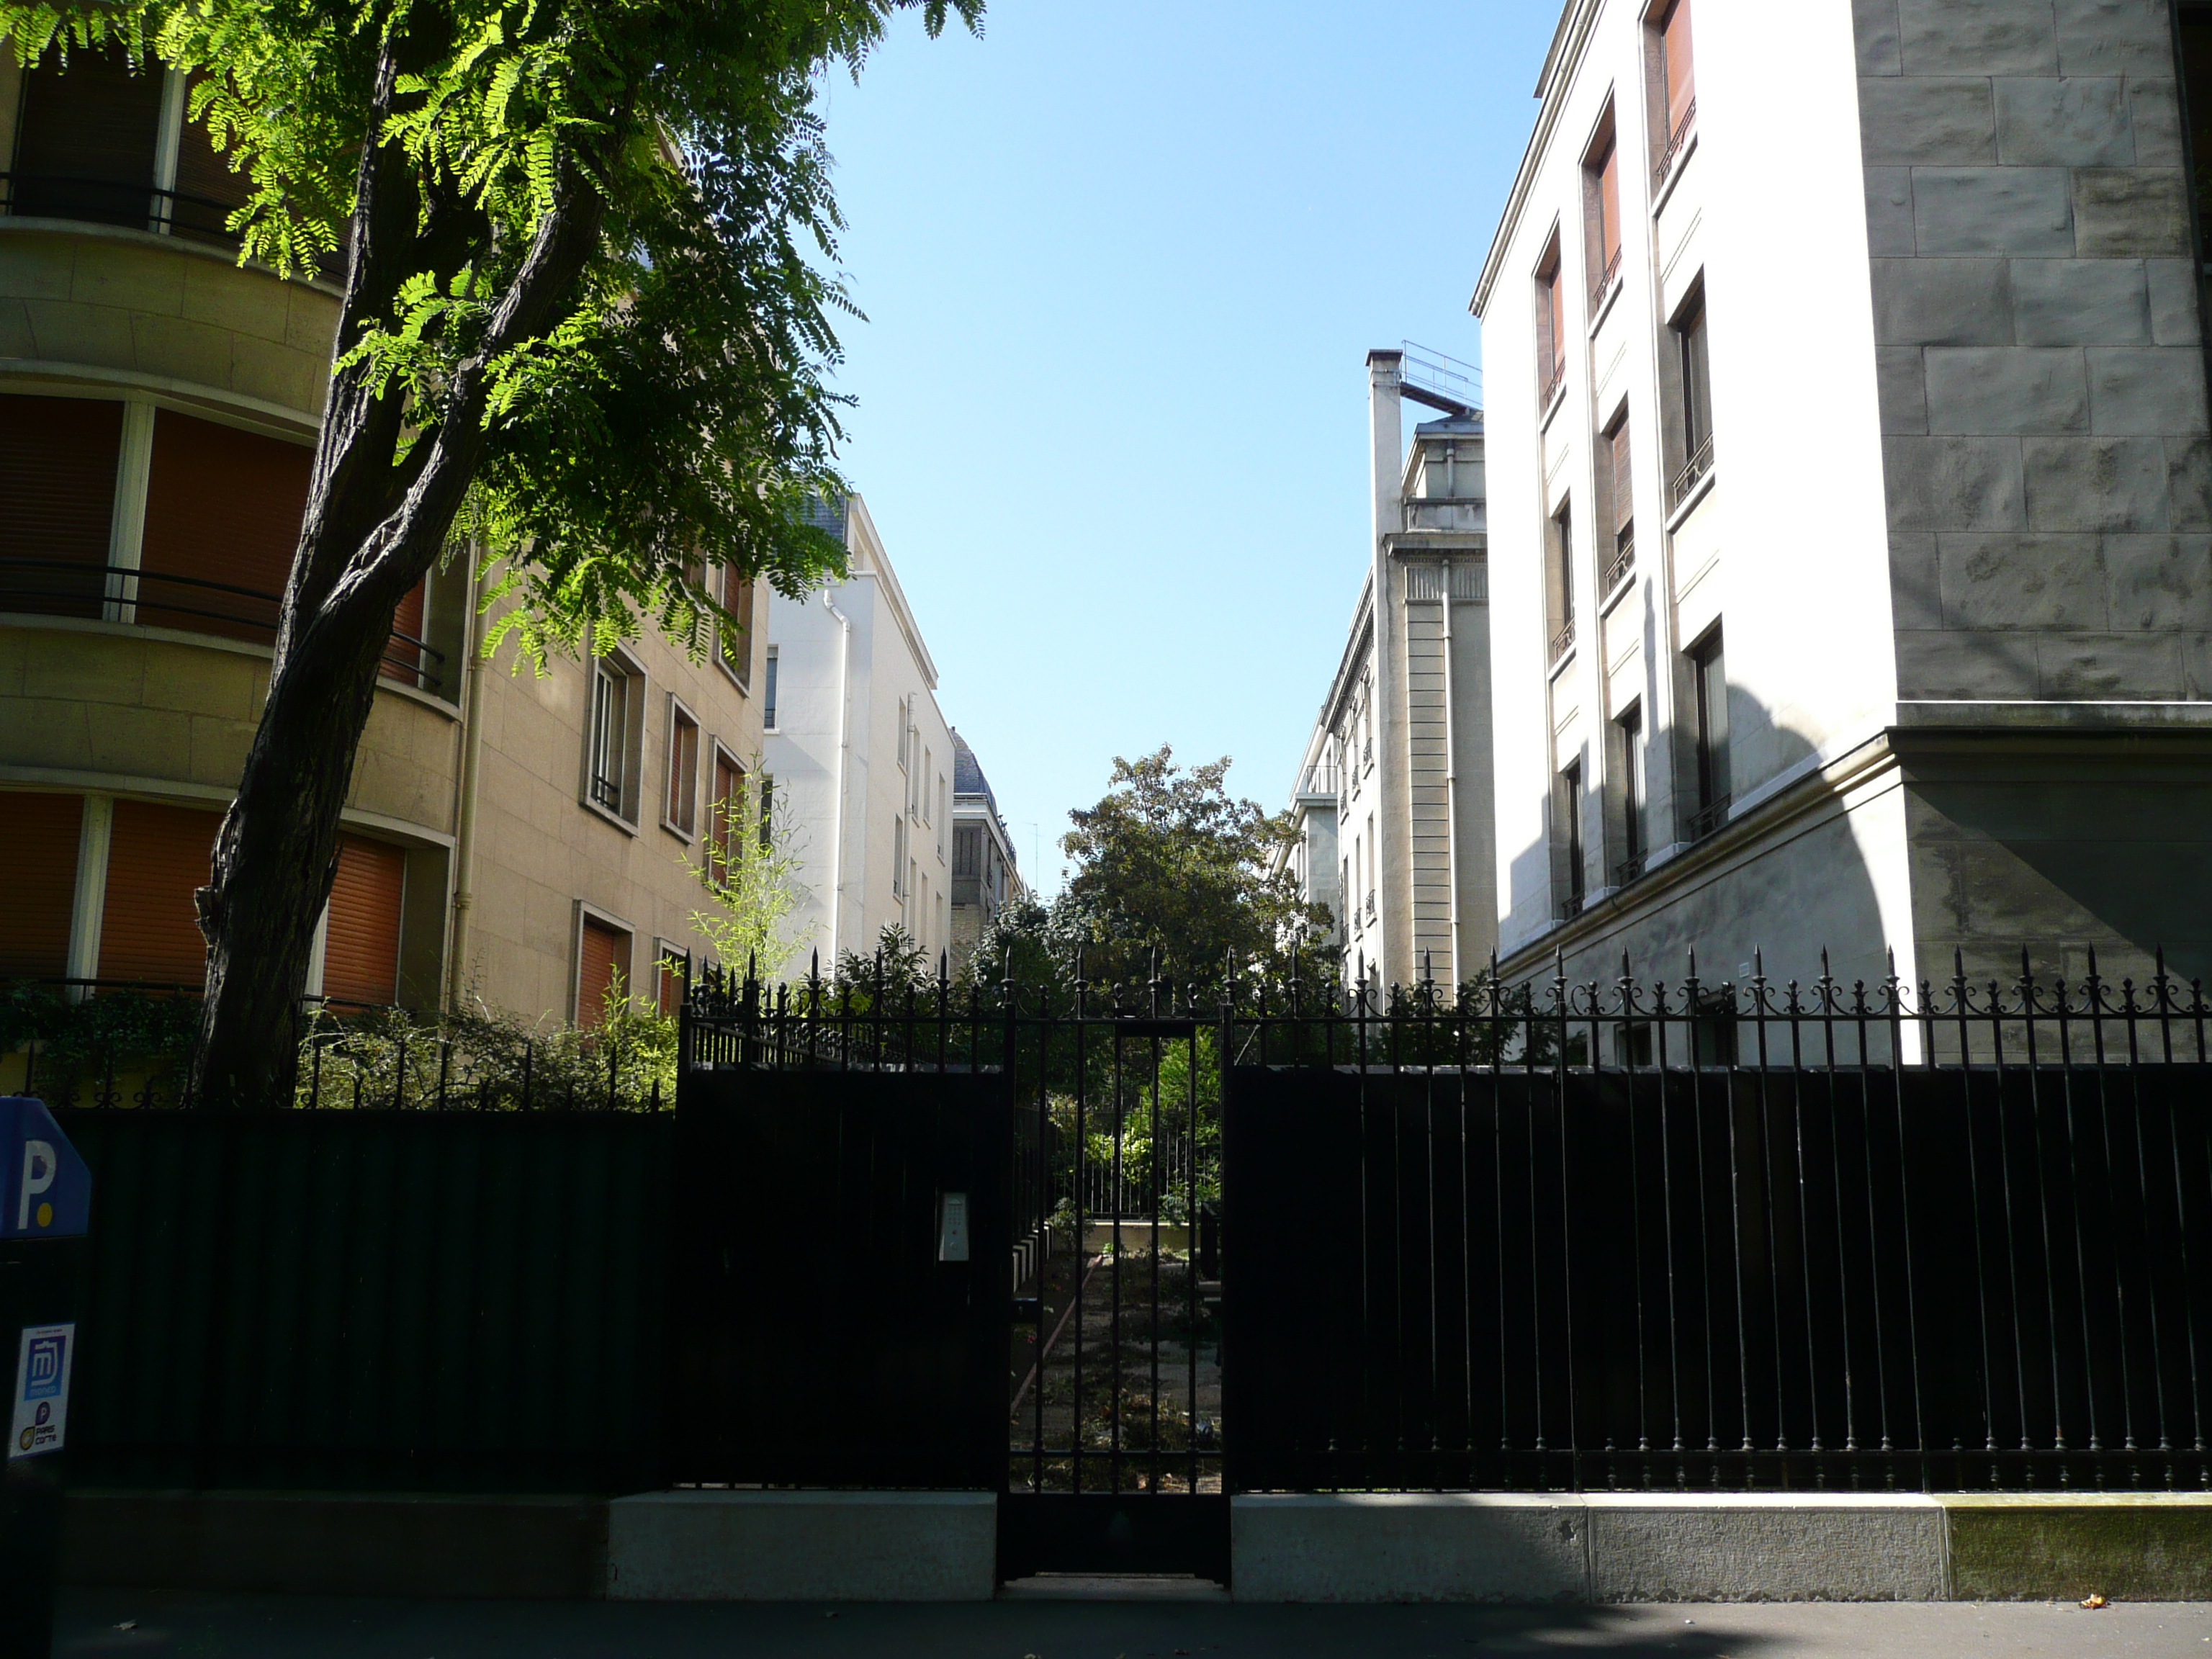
(1393, 795)
(1850, 489)
(509, 837)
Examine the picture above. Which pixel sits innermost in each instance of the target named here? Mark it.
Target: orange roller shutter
(404, 660)
(149, 928)
(38, 849)
(57, 482)
(360, 945)
(222, 506)
(1681, 83)
(603, 952)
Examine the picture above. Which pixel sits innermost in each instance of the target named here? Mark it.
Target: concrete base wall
(337, 1544)
(943, 1546)
(1602, 1547)
(803, 1546)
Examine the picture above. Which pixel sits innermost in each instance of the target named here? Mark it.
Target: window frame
(685, 826)
(770, 665)
(1690, 400)
(625, 811)
(1574, 852)
(1673, 137)
(1560, 584)
(1551, 305)
(1604, 264)
(586, 911)
(1707, 659)
(740, 674)
(715, 832)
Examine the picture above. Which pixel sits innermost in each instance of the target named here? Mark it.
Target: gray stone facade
(2042, 381)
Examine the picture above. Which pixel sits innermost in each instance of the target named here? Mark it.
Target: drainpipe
(837, 841)
(464, 808)
(1451, 775)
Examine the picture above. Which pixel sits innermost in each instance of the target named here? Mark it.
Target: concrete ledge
(803, 1546)
(1595, 1547)
(515, 1548)
(1408, 1547)
(1761, 1546)
(2035, 1547)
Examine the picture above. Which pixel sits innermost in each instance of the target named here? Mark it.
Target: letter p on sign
(39, 1166)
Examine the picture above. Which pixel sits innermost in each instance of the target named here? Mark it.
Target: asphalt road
(127, 1625)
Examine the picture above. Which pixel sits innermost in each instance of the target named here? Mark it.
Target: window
(602, 969)
(737, 642)
(671, 970)
(1601, 192)
(768, 698)
(725, 806)
(1635, 841)
(57, 459)
(85, 146)
(942, 814)
(901, 882)
(1614, 460)
(38, 837)
(611, 780)
(1676, 68)
(967, 851)
(768, 814)
(1693, 400)
(361, 930)
(683, 808)
(921, 784)
(1709, 675)
(1551, 327)
(1562, 584)
(1571, 817)
(905, 727)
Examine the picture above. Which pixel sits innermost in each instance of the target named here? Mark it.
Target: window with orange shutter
(85, 140)
(38, 849)
(1681, 85)
(1551, 327)
(361, 940)
(222, 521)
(602, 962)
(1604, 170)
(725, 808)
(57, 459)
(158, 856)
(738, 639)
(683, 770)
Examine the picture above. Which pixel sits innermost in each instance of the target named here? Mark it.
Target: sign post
(45, 1210)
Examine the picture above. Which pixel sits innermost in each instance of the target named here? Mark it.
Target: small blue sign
(45, 1191)
(42, 1369)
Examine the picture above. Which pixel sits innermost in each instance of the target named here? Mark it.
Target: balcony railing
(1677, 142)
(1622, 562)
(1606, 279)
(154, 598)
(1708, 818)
(1563, 640)
(1571, 907)
(1319, 779)
(137, 205)
(1692, 472)
(1550, 386)
(1630, 869)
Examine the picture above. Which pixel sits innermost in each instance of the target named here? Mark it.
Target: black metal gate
(1115, 1459)
(839, 1315)
(1073, 1364)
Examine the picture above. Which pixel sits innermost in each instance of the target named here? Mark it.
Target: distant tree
(1169, 867)
(581, 332)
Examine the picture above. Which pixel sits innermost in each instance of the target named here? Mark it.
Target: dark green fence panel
(374, 1300)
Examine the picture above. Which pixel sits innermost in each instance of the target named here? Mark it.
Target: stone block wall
(2046, 457)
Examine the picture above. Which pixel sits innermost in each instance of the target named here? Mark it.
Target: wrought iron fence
(1754, 1234)
(103, 1044)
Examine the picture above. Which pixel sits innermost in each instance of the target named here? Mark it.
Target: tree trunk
(375, 525)
(274, 860)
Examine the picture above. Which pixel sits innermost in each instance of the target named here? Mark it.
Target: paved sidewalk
(126, 1624)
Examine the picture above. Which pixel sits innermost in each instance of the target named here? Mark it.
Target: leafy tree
(1170, 869)
(581, 330)
(751, 881)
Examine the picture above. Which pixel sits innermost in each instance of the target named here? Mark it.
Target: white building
(860, 756)
(985, 877)
(1393, 796)
(1849, 474)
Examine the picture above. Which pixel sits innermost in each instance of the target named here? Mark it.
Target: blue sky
(1122, 265)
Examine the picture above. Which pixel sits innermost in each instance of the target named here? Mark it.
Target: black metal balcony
(1677, 142)
(137, 206)
(154, 598)
(1622, 562)
(1708, 818)
(1563, 640)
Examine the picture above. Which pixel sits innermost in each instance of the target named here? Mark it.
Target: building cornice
(1559, 65)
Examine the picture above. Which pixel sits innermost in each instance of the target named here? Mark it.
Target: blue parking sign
(40, 1422)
